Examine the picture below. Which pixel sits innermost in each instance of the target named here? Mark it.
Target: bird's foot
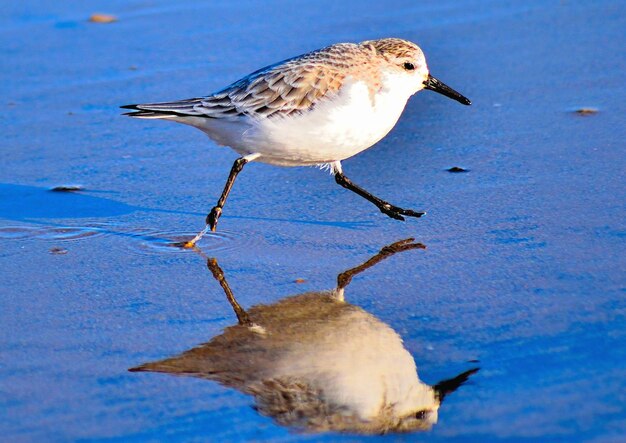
(185, 244)
(213, 217)
(211, 224)
(402, 245)
(397, 212)
(191, 244)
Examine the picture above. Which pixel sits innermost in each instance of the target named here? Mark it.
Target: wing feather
(292, 86)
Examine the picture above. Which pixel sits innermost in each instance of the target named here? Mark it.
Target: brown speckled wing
(294, 85)
(288, 87)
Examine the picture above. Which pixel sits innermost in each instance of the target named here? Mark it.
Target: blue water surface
(523, 275)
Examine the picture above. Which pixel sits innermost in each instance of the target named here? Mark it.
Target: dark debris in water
(67, 188)
(102, 18)
(586, 111)
(457, 169)
(58, 251)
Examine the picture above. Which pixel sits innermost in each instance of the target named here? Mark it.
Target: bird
(318, 108)
(316, 363)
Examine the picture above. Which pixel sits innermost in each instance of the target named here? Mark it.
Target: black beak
(435, 85)
(446, 387)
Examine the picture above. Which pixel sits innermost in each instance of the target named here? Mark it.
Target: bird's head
(405, 61)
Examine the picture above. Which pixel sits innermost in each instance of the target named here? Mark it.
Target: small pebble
(457, 169)
(67, 188)
(58, 251)
(586, 111)
(102, 18)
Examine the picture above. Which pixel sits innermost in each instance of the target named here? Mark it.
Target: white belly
(333, 130)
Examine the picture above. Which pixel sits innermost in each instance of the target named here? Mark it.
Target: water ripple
(158, 242)
(141, 240)
(47, 233)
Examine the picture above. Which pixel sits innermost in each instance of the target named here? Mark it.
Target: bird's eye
(409, 66)
(420, 415)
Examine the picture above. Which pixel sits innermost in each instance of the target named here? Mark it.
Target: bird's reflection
(318, 363)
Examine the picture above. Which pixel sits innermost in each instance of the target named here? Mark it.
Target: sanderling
(315, 109)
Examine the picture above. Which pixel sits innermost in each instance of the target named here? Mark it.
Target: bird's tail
(179, 108)
(148, 114)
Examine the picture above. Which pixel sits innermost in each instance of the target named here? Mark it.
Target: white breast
(334, 130)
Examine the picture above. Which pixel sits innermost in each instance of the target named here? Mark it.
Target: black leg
(214, 215)
(386, 208)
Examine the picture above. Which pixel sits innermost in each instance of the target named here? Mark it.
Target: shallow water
(523, 275)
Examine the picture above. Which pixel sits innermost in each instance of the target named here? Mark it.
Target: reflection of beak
(435, 85)
(446, 387)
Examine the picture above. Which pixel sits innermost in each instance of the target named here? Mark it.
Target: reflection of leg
(242, 315)
(385, 207)
(345, 277)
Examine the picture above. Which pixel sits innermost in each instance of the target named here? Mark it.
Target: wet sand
(523, 275)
